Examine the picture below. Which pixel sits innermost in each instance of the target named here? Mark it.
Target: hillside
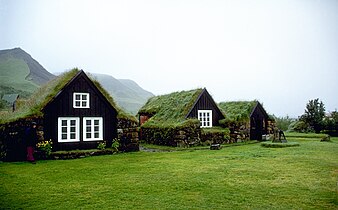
(20, 73)
(127, 93)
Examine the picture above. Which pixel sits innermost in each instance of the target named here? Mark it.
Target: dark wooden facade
(206, 102)
(258, 122)
(62, 106)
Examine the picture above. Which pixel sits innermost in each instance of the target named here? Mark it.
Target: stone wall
(12, 142)
(239, 132)
(128, 134)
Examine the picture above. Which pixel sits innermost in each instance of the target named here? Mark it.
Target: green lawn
(242, 177)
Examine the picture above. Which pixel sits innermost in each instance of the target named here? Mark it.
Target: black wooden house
(180, 106)
(79, 116)
(176, 119)
(246, 118)
(258, 122)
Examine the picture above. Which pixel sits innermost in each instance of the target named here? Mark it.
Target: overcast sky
(281, 52)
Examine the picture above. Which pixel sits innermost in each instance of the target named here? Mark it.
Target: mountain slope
(20, 73)
(127, 93)
(37, 74)
(136, 88)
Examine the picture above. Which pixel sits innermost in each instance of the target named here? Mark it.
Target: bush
(101, 145)
(300, 126)
(45, 147)
(283, 123)
(115, 144)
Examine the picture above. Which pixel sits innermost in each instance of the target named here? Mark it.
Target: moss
(32, 107)
(170, 109)
(238, 111)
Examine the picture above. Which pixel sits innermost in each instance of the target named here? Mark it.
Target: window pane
(64, 136)
(72, 136)
(88, 122)
(96, 122)
(77, 97)
(84, 104)
(72, 129)
(84, 97)
(64, 130)
(88, 135)
(72, 122)
(77, 103)
(88, 129)
(64, 123)
(96, 128)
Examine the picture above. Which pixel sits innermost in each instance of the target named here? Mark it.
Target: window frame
(100, 129)
(205, 123)
(77, 129)
(81, 100)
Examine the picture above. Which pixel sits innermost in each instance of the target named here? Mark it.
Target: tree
(283, 123)
(314, 114)
(331, 124)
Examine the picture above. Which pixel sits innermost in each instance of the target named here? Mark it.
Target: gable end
(205, 102)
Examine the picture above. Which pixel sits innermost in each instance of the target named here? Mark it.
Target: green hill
(20, 73)
(127, 93)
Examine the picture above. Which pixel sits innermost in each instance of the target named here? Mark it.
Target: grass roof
(237, 110)
(170, 109)
(33, 106)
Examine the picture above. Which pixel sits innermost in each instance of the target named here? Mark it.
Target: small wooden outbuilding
(172, 118)
(246, 119)
(180, 106)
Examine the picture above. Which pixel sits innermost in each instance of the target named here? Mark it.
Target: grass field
(242, 177)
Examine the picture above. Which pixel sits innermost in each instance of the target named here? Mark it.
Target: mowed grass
(241, 177)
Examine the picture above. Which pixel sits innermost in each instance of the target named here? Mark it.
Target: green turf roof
(170, 109)
(237, 110)
(33, 106)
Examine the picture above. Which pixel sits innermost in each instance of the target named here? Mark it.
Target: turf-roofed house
(178, 118)
(73, 111)
(246, 120)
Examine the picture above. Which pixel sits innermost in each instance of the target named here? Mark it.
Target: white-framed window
(205, 118)
(92, 128)
(80, 100)
(68, 129)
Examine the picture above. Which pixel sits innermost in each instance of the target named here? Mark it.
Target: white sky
(281, 52)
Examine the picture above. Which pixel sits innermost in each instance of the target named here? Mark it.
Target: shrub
(101, 145)
(45, 147)
(300, 126)
(115, 144)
